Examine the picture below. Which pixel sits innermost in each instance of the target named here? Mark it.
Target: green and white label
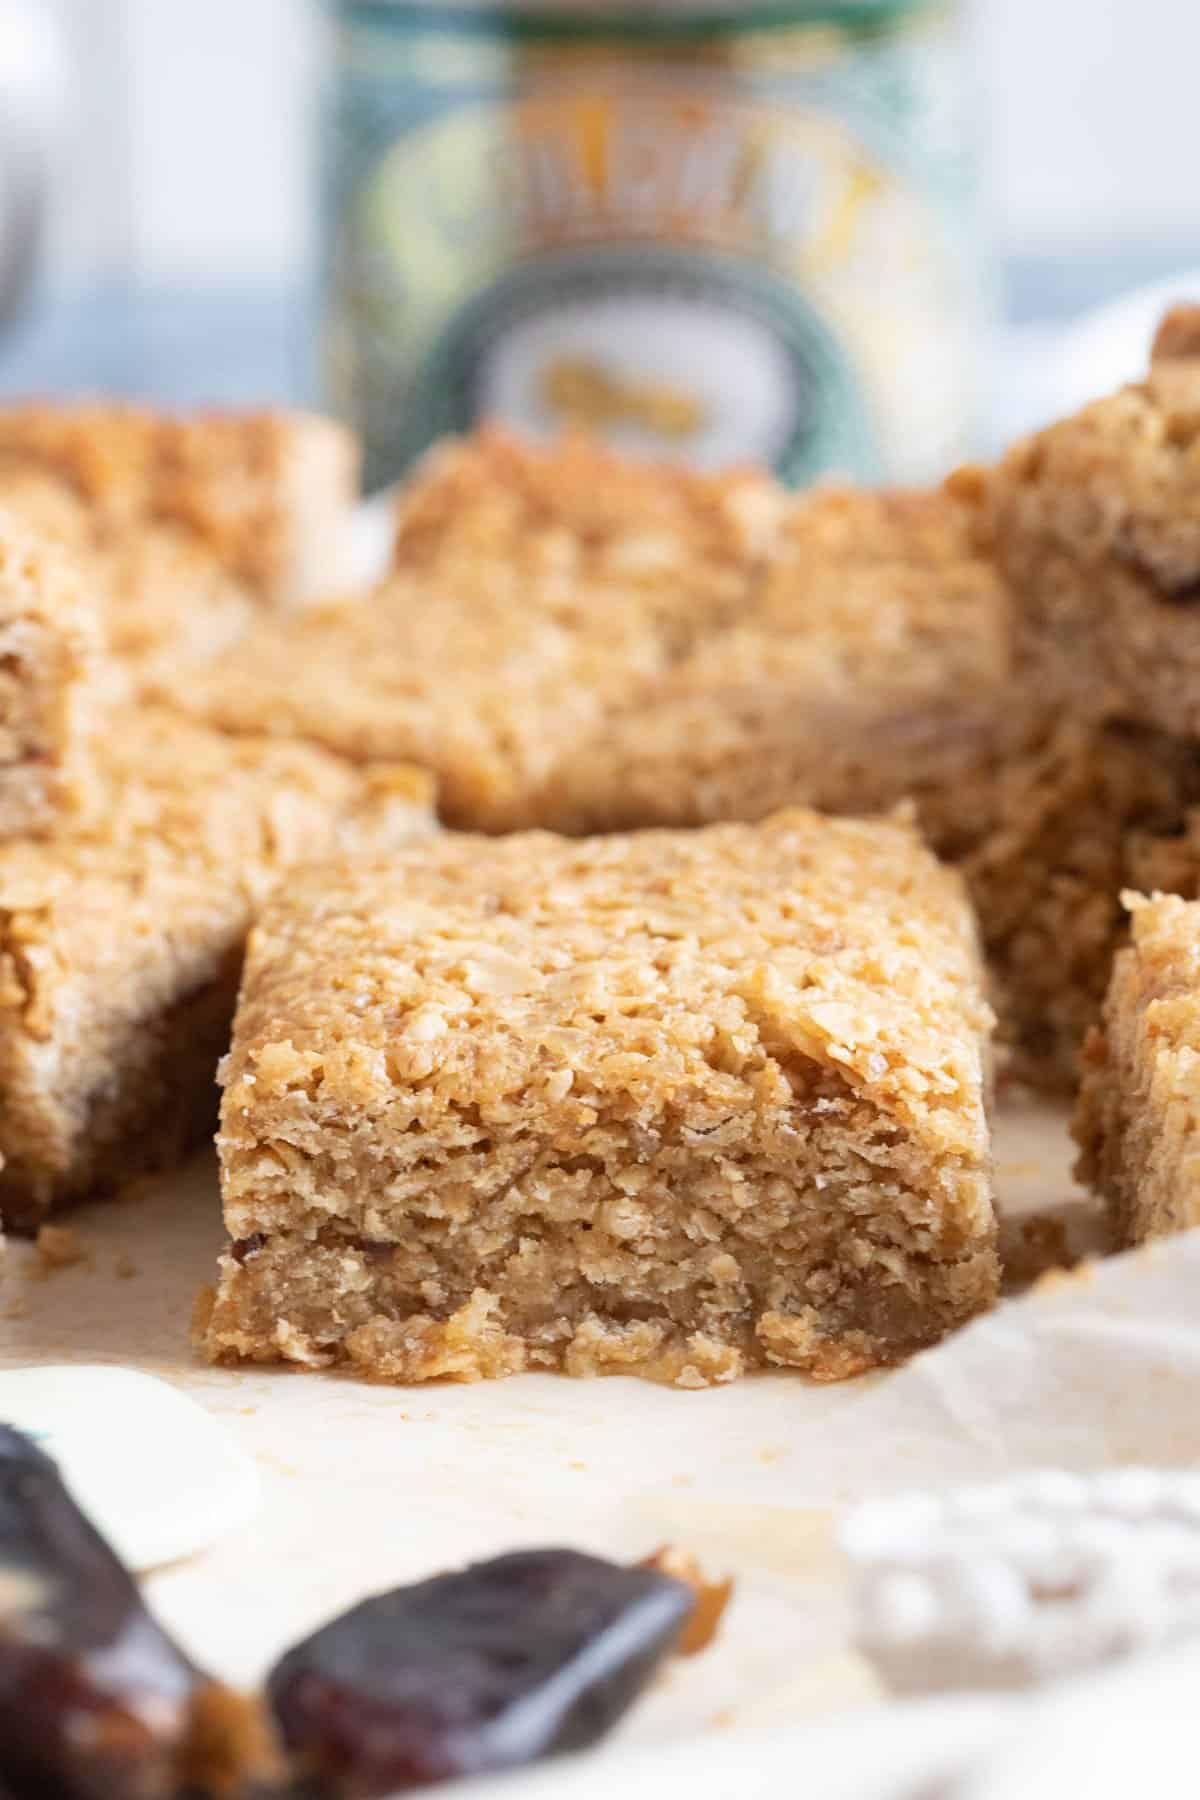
(741, 242)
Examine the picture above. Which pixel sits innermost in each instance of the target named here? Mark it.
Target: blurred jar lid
(721, 14)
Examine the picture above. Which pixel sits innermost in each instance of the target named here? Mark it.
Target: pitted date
(469, 1673)
(94, 1697)
(486, 1669)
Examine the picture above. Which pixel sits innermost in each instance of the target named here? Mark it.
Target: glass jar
(714, 231)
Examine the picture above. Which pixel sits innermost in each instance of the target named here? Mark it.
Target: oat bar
(268, 493)
(48, 680)
(1065, 821)
(1096, 522)
(121, 937)
(187, 525)
(678, 1105)
(876, 639)
(591, 539)
(533, 591)
(1137, 1115)
(636, 648)
(484, 696)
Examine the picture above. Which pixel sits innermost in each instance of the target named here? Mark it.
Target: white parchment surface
(364, 1487)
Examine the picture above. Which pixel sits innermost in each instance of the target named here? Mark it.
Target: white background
(191, 140)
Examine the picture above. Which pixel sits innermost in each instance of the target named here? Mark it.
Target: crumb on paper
(126, 1268)
(1055, 1280)
(711, 1597)
(1038, 1246)
(1057, 1238)
(59, 1247)
(276, 1465)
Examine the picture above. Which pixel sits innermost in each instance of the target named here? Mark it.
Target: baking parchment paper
(364, 1487)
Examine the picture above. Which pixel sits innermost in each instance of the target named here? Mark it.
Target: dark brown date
(94, 1697)
(486, 1669)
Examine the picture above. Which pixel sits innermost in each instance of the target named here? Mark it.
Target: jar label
(751, 256)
